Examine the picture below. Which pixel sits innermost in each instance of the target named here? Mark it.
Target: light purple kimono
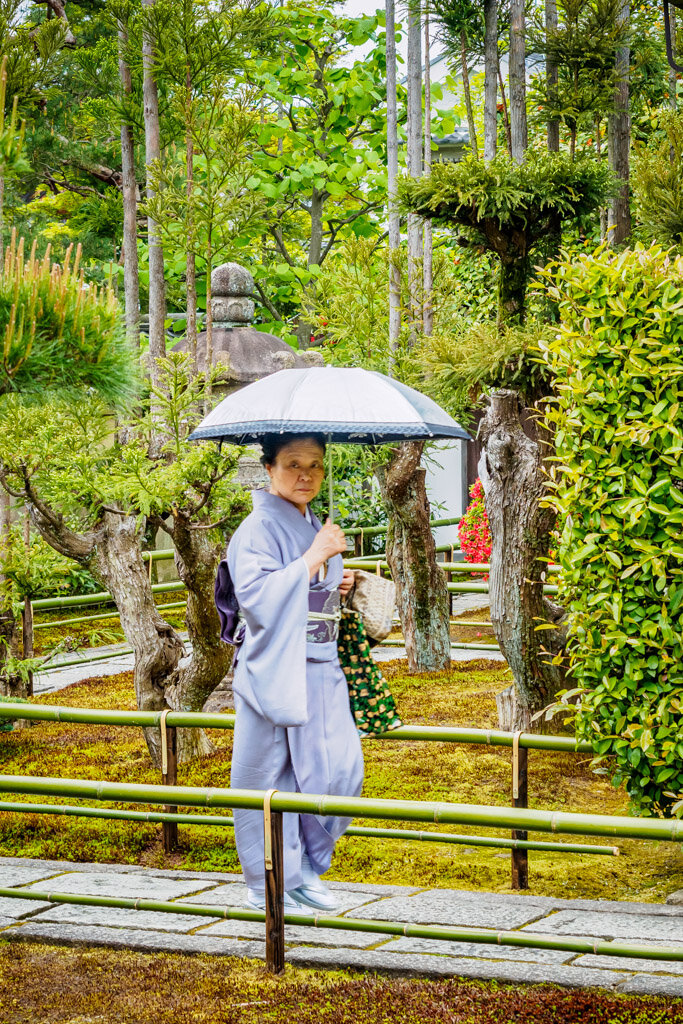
(294, 729)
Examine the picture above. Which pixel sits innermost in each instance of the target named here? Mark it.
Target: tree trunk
(506, 118)
(471, 127)
(673, 76)
(414, 161)
(164, 676)
(2, 214)
(191, 272)
(129, 189)
(552, 76)
(619, 141)
(11, 684)
(157, 287)
(427, 264)
(490, 78)
(392, 174)
(512, 473)
(305, 329)
(421, 593)
(518, 122)
(208, 366)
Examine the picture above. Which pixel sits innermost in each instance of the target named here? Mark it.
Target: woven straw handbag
(374, 598)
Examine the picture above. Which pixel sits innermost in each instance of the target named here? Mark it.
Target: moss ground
(463, 695)
(95, 986)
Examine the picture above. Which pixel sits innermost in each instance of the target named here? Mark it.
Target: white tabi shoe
(257, 901)
(313, 892)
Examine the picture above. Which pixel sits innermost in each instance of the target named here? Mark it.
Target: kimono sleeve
(273, 598)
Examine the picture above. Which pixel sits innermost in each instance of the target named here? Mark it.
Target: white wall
(446, 465)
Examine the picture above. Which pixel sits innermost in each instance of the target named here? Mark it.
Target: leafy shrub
(658, 181)
(473, 529)
(618, 483)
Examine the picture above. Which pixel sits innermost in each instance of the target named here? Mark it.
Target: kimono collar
(286, 513)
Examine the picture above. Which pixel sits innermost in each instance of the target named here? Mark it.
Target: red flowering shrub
(473, 529)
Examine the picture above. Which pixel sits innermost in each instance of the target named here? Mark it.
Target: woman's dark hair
(272, 444)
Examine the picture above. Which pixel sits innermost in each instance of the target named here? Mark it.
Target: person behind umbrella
(294, 730)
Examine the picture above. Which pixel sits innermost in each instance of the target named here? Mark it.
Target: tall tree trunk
(305, 329)
(11, 684)
(552, 76)
(421, 594)
(471, 126)
(427, 265)
(2, 214)
(191, 271)
(518, 123)
(208, 393)
(392, 174)
(414, 160)
(619, 141)
(506, 118)
(157, 287)
(129, 188)
(673, 76)
(515, 483)
(490, 78)
(164, 676)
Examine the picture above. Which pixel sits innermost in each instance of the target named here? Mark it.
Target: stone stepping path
(647, 923)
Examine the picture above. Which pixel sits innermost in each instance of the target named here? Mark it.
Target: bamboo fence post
(27, 639)
(519, 858)
(169, 772)
(275, 886)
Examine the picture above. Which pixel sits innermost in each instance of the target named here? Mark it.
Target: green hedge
(618, 482)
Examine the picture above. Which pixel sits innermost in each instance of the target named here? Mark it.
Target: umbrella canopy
(346, 404)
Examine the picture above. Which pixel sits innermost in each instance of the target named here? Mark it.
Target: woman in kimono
(294, 730)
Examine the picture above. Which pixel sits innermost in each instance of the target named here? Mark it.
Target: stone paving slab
(235, 894)
(612, 926)
(9, 907)
(455, 908)
(298, 934)
(5, 922)
(128, 886)
(650, 985)
(117, 917)
(478, 951)
(23, 874)
(631, 963)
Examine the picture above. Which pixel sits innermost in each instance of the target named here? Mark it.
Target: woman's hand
(329, 541)
(348, 580)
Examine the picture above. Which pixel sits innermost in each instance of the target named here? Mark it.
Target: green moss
(120, 987)
(464, 695)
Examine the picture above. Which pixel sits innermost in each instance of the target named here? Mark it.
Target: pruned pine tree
(393, 217)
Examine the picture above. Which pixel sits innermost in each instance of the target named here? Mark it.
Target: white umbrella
(346, 404)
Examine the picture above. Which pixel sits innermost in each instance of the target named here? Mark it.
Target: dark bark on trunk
(468, 96)
(490, 78)
(421, 593)
(518, 123)
(129, 190)
(552, 76)
(511, 471)
(506, 117)
(164, 675)
(305, 329)
(157, 287)
(619, 142)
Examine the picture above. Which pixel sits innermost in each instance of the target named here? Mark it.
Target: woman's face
(298, 472)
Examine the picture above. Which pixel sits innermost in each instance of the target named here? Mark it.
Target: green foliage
(36, 571)
(511, 209)
(618, 483)
(461, 366)
(59, 333)
(583, 49)
(657, 179)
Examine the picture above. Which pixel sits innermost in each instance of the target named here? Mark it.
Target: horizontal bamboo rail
(482, 815)
(207, 720)
(485, 936)
(113, 614)
(66, 810)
